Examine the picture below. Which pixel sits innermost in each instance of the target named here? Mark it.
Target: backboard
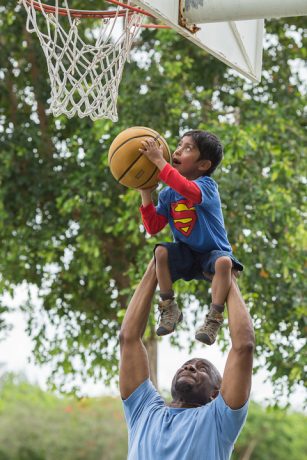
(237, 43)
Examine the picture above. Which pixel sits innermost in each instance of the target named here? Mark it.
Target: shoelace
(166, 315)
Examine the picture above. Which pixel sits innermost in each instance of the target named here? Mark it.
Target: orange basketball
(128, 165)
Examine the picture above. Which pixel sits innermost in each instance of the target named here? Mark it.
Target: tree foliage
(271, 433)
(36, 425)
(68, 229)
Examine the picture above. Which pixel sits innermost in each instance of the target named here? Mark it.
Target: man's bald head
(197, 382)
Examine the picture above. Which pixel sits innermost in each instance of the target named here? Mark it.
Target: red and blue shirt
(192, 209)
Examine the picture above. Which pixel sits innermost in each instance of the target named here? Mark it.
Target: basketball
(128, 165)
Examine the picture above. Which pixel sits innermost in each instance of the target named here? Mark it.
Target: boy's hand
(146, 195)
(154, 153)
(148, 190)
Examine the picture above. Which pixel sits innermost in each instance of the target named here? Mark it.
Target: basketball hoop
(84, 76)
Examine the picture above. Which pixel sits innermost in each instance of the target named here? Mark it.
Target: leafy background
(71, 232)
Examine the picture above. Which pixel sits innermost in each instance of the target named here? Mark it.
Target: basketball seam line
(130, 166)
(154, 172)
(134, 137)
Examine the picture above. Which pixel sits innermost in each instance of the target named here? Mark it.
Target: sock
(218, 308)
(167, 295)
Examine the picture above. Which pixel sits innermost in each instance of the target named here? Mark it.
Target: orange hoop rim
(104, 14)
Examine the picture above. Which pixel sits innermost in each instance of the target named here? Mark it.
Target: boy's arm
(153, 222)
(176, 181)
(169, 175)
(134, 366)
(146, 196)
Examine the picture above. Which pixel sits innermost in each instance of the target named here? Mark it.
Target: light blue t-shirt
(159, 432)
(200, 226)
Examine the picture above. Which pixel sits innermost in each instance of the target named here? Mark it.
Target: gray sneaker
(170, 316)
(208, 331)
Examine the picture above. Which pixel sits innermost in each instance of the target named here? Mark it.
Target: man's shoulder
(145, 393)
(141, 401)
(220, 402)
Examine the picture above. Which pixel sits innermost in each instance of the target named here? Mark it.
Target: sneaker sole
(162, 331)
(204, 338)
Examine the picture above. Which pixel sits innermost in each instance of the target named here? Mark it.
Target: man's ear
(204, 165)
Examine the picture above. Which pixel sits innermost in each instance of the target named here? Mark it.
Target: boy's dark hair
(209, 146)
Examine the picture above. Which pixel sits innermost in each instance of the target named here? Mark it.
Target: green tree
(68, 229)
(271, 433)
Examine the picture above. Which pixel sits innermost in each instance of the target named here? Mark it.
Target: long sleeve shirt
(192, 209)
(154, 222)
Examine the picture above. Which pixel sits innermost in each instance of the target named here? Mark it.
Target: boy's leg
(220, 287)
(170, 315)
(163, 273)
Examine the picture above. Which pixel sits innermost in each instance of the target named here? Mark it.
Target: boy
(192, 206)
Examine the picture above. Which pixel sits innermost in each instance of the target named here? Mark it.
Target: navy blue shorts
(186, 264)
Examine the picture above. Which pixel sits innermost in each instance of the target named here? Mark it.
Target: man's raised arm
(237, 378)
(134, 367)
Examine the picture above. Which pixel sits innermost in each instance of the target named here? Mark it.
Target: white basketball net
(84, 77)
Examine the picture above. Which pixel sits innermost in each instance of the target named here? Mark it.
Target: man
(207, 412)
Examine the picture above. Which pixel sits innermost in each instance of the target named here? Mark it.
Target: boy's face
(186, 159)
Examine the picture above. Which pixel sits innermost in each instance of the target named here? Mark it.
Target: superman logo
(184, 216)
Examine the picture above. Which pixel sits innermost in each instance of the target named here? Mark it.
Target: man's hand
(153, 152)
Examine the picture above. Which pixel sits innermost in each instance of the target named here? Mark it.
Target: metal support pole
(205, 11)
